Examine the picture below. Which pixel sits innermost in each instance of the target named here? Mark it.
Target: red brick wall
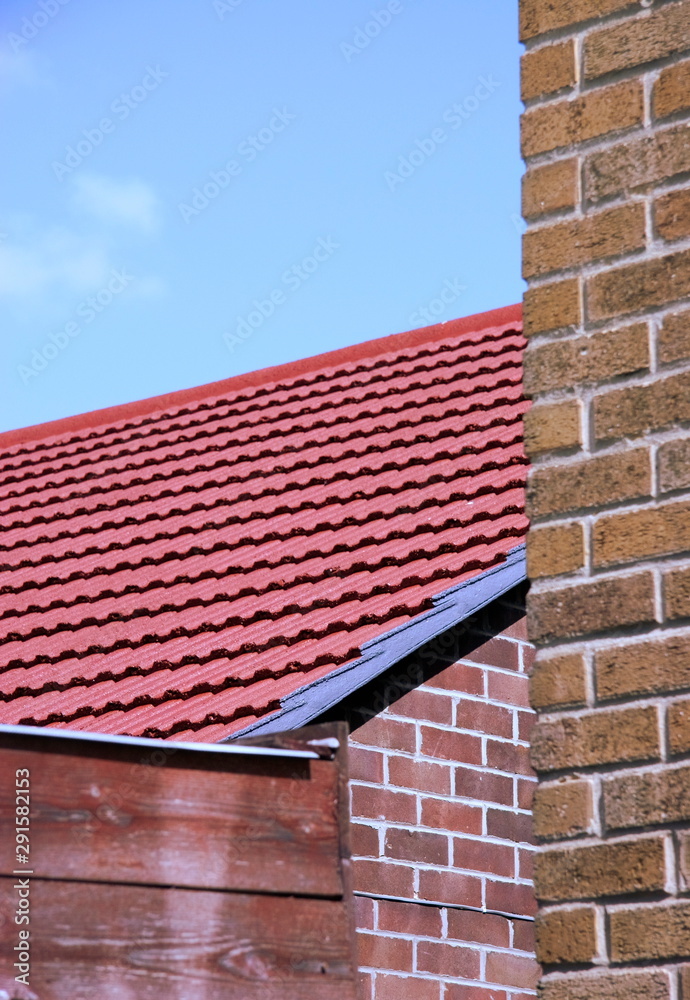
(606, 139)
(441, 794)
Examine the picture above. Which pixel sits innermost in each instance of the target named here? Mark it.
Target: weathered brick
(630, 411)
(421, 775)
(365, 841)
(672, 90)
(409, 918)
(551, 307)
(566, 122)
(603, 235)
(516, 898)
(679, 724)
(364, 765)
(550, 188)
(674, 465)
(482, 786)
(512, 970)
(637, 163)
(645, 668)
(449, 887)
(552, 427)
(465, 748)
(677, 593)
(593, 482)
(650, 932)
(636, 41)
(558, 681)
(506, 825)
(654, 282)
(610, 737)
(390, 987)
(548, 69)
(391, 734)
(478, 856)
(540, 16)
(382, 877)
(563, 810)
(482, 928)
(674, 337)
(685, 983)
(437, 957)
(646, 798)
(684, 839)
(564, 363)
(555, 549)
(383, 804)
(508, 757)
(591, 607)
(609, 869)
(672, 215)
(440, 814)
(566, 936)
(483, 718)
(609, 986)
(425, 705)
(639, 534)
(418, 846)
(377, 951)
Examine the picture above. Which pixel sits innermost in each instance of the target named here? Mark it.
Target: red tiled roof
(176, 566)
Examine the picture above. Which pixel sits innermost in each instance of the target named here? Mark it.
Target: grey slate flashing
(451, 607)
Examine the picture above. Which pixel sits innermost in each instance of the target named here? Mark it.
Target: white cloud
(129, 203)
(57, 260)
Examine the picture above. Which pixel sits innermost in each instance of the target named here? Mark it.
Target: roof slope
(175, 567)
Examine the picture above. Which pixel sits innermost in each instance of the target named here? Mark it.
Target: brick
(442, 959)
(509, 688)
(418, 846)
(674, 465)
(440, 814)
(617, 986)
(364, 765)
(558, 681)
(672, 215)
(419, 704)
(610, 869)
(565, 363)
(540, 16)
(645, 668)
(460, 677)
(674, 337)
(378, 952)
(512, 970)
(685, 983)
(365, 981)
(526, 723)
(489, 719)
(655, 282)
(387, 733)
(567, 936)
(684, 839)
(563, 810)
(508, 757)
(592, 608)
(639, 534)
(421, 775)
(600, 236)
(650, 932)
(480, 928)
(406, 988)
(507, 825)
(364, 913)
(592, 482)
(497, 652)
(365, 841)
(552, 427)
(637, 41)
(672, 90)
(383, 878)
(547, 70)
(567, 122)
(603, 737)
(454, 991)
(555, 549)
(484, 787)
(552, 187)
(679, 725)
(677, 594)
(524, 936)
(480, 856)
(637, 164)
(409, 918)
(646, 798)
(447, 744)
(554, 306)
(448, 887)
(383, 804)
(626, 412)
(511, 897)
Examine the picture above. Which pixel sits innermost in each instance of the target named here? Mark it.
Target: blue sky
(199, 188)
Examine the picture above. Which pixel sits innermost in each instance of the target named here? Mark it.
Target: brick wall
(441, 795)
(606, 138)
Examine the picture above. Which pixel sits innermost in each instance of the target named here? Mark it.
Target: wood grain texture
(146, 943)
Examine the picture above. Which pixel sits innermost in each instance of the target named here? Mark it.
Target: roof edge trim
(293, 369)
(451, 607)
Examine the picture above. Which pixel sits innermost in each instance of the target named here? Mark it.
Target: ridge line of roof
(124, 411)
